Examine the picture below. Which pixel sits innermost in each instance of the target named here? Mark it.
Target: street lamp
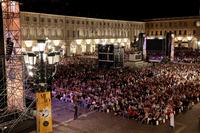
(38, 59)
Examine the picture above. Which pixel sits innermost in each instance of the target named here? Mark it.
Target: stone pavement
(63, 111)
(97, 122)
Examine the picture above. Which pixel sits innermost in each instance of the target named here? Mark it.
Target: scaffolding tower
(12, 94)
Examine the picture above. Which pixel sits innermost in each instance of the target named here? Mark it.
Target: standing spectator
(75, 111)
(171, 116)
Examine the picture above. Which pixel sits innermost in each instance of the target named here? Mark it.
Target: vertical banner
(44, 112)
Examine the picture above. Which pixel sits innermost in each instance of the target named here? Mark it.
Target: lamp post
(39, 58)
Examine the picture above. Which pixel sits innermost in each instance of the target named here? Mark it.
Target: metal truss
(14, 92)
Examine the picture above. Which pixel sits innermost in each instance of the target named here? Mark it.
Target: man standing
(171, 116)
(75, 111)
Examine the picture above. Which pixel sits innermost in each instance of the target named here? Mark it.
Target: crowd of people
(186, 55)
(148, 94)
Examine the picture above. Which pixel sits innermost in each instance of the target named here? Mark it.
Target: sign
(44, 112)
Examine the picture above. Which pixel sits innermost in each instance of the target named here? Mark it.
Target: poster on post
(44, 112)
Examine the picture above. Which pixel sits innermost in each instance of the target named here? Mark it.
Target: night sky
(115, 9)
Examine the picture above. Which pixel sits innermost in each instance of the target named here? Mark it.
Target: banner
(44, 112)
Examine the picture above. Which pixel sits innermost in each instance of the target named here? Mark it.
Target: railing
(21, 117)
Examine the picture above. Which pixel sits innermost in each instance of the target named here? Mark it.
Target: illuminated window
(194, 23)
(179, 32)
(175, 24)
(175, 32)
(73, 34)
(68, 33)
(34, 19)
(61, 21)
(147, 25)
(180, 23)
(194, 32)
(42, 20)
(185, 32)
(185, 24)
(55, 20)
(27, 18)
(78, 33)
(49, 20)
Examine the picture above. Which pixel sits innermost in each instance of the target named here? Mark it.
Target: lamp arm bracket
(53, 74)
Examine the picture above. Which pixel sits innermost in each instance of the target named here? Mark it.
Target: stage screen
(155, 44)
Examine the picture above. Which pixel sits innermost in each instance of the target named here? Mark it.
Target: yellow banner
(44, 112)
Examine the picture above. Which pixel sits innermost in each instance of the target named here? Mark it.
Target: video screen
(155, 44)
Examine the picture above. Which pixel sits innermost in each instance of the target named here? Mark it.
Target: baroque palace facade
(79, 35)
(186, 30)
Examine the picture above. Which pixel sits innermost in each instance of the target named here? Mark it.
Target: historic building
(186, 30)
(78, 35)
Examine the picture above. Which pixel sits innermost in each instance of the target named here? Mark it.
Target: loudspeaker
(105, 55)
(168, 44)
(141, 41)
(9, 48)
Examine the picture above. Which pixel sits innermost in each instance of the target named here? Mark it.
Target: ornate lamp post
(38, 59)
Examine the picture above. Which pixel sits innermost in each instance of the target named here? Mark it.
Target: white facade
(78, 35)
